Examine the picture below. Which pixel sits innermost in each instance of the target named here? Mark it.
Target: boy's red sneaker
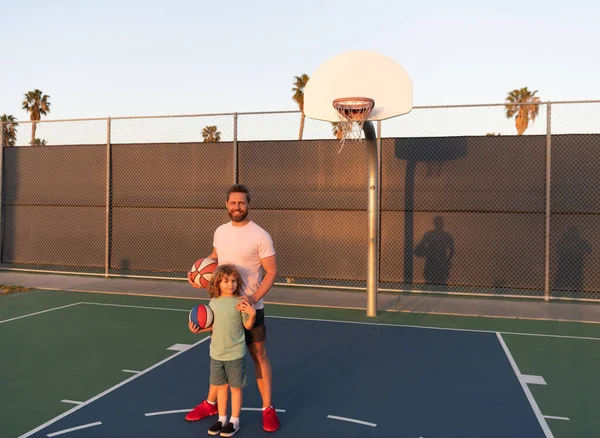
(270, 421)
(203, 410)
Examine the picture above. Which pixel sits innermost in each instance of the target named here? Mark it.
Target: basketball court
(127, 366)
(428, 383)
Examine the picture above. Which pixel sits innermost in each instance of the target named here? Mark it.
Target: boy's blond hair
(220, 272)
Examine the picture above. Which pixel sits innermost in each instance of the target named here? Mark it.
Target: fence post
(235, 148)
(548, 203)
(380, 204)
(108, 200)
(1, 189)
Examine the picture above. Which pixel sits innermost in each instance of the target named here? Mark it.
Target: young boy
(227, 345)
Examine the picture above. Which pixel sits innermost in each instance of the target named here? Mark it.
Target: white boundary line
(435, 328)
(532, 402)
(260, 409)
(180, 347)
(181, 411)
(102, 394)
(133, 307)
(550, 417)
(73, 402)
(532, 380)
(91, 303)
(40, 312)
(351, 420)
(178, 411)
(73, 429)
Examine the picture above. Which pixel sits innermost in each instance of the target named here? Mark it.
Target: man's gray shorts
(232, 372)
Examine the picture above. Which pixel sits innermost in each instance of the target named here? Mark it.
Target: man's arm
(213, 255)
(269, 264)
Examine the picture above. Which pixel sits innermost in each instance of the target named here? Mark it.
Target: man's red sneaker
(203, 410)
(270, 421)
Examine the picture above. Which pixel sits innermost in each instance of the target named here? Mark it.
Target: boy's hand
(244, 307)
(190, 281)
(194, 328)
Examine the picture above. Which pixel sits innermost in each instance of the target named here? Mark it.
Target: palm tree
(40, 142)
(37, 105)
(210, 134)
(299, 85)
(525, 105)
(337, 131)
(9, 129)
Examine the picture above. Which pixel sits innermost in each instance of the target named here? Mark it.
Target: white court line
(180, 347)
(83, 426)
(260, 409)
(134, 307)
(532, 380)
(181, 411)
(434, 328)
(550, 417)
(72, 402)
(130, 371)
(366, 323)
(532, 402)
(102, 394)
(38, 313)
(178, 411)
(351, 420)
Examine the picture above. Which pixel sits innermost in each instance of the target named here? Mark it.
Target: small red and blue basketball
(202, 271)
(202, 316)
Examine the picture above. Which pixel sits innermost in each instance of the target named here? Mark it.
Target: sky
(140, 58)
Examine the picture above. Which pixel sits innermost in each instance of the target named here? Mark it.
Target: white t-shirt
(244, 247)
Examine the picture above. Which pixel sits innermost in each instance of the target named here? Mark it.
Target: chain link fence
(467, 206)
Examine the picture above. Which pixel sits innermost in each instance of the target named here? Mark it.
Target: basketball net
(352, 112)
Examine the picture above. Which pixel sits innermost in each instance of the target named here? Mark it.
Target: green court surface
(57, 345)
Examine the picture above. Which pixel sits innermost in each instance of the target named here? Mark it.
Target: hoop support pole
(373, 217)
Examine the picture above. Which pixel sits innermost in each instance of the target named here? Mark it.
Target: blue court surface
(331, 378)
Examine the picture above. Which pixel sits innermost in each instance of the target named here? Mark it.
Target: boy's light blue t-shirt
(227, 341)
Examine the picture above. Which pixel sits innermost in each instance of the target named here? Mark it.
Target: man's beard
(238, 218)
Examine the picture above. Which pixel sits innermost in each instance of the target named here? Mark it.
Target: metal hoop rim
(346, 103)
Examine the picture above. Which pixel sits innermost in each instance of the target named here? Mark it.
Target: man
(250, 248)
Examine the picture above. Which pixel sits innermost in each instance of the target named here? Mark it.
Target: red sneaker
(203, 410)
(270, 421)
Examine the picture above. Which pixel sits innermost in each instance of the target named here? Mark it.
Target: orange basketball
(202, 271)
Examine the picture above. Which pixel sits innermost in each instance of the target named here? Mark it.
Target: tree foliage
(37, 104)
(523, 105)
(211, 134)
(9, 129)
(298, 97)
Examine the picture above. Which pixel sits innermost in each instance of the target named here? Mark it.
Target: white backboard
(359, 73)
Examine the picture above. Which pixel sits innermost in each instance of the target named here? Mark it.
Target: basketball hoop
(352, 112)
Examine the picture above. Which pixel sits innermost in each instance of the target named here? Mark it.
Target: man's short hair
(239, 188)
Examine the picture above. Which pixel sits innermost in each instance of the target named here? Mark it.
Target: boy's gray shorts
(231, 372)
